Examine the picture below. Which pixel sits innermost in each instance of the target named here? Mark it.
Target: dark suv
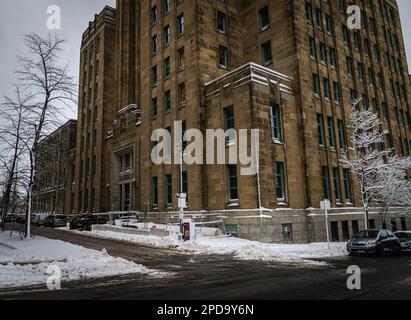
(85, 221)
(374, 241)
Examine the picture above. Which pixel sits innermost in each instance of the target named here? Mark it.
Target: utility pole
(181, 196)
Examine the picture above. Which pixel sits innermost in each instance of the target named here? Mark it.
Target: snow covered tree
(366, 157)
(395, 188)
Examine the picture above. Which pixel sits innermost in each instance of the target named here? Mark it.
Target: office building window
(182, 92)
(327, 88)
(309, 11)
(328, 23)
(275, 122)
(266, 53)
(154, 45)
(168, 191)
(181, 57)
(313, 48)
(337, 187)
(333, 60)
(154, 76)
(167, 68)
(341, 134)
(180, 24)
(154, 15)
(331, 132)
(347, 185)
(264, 18)
(166, 35)
(320, 127)
(323, 52)
(337, 92)
(154, 192)
(223, 57)
(280, 181)
(166, 6)
(319, 17)
(154, 108)
(221, 22)
(326, 183)
(232, 182)
(316, 84)
(167, 101)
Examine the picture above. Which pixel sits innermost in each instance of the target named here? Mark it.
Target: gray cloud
(26, 16)
(405, 11)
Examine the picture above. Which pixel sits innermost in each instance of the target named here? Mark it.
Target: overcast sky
(25, 16)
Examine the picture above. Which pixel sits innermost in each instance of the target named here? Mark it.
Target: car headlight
(371, 242)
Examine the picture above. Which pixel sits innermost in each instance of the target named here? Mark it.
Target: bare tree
(52, 88)
(13, 139)
(366, 156)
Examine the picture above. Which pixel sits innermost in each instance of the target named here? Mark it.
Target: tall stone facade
(96, 113)
(288, 68)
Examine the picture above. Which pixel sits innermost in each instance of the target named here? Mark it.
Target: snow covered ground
(240, 248)
(25, 262)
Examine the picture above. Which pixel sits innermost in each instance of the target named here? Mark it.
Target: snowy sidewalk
(240, 248)
(25, 262)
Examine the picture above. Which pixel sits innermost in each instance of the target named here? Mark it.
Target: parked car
(84, 222)
(21, 218)
(405, 239)
(55, 221)
(374, 241)
(10, 217)
(38, 220)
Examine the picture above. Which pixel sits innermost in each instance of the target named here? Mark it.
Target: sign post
(326, 205)
(182, 203)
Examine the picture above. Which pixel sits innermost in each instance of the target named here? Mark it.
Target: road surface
(223, 277)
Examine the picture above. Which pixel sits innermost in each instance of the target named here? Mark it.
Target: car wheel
(397, 250)
(379, 251)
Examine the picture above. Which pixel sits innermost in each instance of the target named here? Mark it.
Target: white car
(405, 239)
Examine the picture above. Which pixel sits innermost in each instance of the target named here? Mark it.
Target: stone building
(96, 113)
(55, 165)
(288, 68)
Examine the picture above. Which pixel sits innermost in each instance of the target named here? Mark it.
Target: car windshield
(61, 217)
(367, 234)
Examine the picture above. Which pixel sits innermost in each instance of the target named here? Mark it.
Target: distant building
(54, 178)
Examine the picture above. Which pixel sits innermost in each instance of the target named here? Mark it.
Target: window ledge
(233, 204)
(276, 141)
(264, 28)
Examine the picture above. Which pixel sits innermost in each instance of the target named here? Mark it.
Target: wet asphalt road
(223, 277)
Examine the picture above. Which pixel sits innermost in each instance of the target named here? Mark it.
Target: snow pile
(240, 248)
(25, 262)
